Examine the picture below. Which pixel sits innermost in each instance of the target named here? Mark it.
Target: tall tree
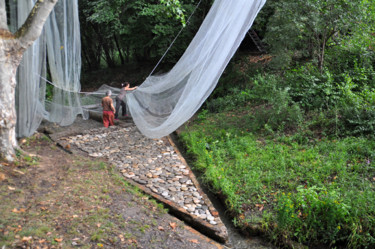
(305, 29)
(12, 47)
(118, 24)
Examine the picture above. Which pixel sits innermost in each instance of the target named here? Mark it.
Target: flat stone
(191, 209)
(173, 189)
(196, 201)
(154, 190)
(188, 200)
(141, 182)
(210, 218)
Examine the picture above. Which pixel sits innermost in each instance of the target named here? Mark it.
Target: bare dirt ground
(62, 200)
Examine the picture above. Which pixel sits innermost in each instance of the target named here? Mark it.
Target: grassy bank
(292, 151)
(315, 191)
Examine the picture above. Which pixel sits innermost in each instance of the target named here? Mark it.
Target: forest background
(287, 137)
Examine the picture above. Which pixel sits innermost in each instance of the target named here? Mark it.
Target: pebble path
(152, 163)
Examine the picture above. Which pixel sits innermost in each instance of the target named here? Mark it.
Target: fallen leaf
(58, 239)
(194, 241)
(18, 229)
(26, 239)
(173, 225)
(15, 210)
(2, 177)
(19, 172)
(121, 238)
(260, 206)
(161, 228)
(132, 241)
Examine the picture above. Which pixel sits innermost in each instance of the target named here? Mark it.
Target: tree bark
(3, 15)
(9, 61)
(119, 50)
(12, 47)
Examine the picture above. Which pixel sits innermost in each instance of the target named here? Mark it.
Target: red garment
(108, 118)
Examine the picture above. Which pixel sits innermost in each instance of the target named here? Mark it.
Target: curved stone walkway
(154, 165)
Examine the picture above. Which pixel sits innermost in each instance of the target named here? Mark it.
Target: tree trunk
(9, 61)
(119, 50)
(12, 47)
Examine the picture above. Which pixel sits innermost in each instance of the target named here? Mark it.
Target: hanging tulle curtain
(61, 41)
(64, 57)
(163, 103)
(30, 91)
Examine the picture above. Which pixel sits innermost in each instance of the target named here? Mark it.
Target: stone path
(154, 165)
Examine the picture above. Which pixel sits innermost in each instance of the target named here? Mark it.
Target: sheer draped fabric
(163, 103)
(160, 105)
(60, 41)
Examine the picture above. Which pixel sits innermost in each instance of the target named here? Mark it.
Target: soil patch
(61, 200)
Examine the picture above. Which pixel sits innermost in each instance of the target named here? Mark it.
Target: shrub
(312, 214)
(311, 89)
(357, 109)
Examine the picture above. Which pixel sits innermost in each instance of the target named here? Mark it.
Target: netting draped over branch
(163, 103)
(61, 41)
(160, 105)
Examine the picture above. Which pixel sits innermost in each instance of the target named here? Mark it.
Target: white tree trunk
(11, 51)
(9, 61)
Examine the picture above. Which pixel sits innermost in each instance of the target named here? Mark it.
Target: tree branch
(3, 15)
(33, 26)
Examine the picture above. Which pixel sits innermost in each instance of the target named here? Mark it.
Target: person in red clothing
(108, 109)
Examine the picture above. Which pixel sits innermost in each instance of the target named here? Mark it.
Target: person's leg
(105, 119)
(118, 104)
(111, 119)
(123, 106)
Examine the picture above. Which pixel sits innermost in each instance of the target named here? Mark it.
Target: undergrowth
(293, 152)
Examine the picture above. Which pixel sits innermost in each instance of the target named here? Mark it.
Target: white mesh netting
(61, 41)
(162, 103)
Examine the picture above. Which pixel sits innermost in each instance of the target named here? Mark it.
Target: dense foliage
(119, 32)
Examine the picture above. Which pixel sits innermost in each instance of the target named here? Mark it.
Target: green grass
(312, 191)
